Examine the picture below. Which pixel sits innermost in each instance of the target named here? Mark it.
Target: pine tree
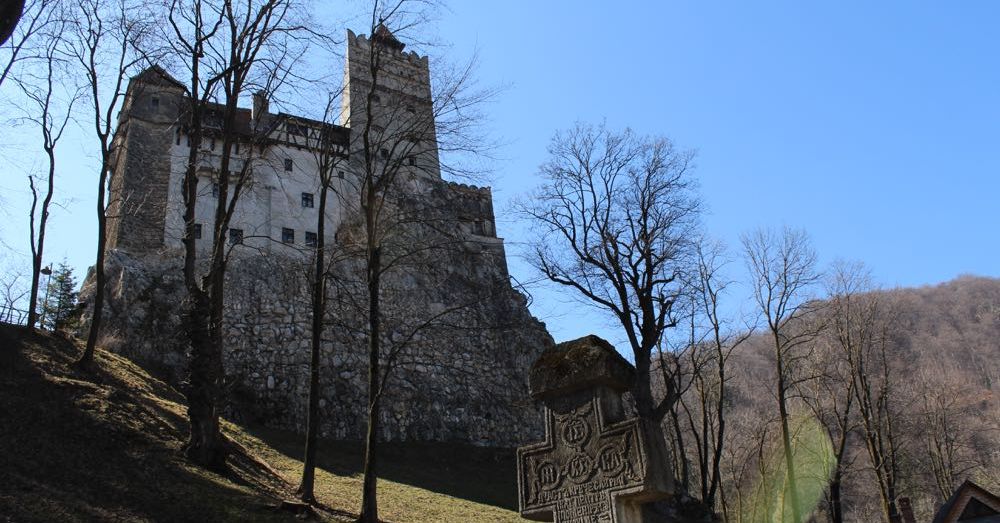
(61, 298)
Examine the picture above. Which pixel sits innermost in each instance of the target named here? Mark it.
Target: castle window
(411, 160)
(310, 239)
(479, 227)
(235, 236)
(378, 128)
(384, 153)
(215, 189)
(307, 200)
(154, 102)
(197, 231)
(288, 164)
(178, 142)
(340, 174)
(287, 235)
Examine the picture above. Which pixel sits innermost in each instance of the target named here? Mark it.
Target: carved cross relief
(584, 468)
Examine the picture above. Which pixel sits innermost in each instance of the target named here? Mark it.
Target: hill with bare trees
(930, 380)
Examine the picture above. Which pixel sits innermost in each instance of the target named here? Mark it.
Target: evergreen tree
(60, 298)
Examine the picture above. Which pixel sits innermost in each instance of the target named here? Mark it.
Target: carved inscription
(577, 475)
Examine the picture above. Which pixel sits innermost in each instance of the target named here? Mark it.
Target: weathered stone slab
(594, 465)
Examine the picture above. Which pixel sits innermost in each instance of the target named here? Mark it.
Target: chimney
(259, 104)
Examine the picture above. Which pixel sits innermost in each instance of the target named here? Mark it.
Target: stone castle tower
(462, 381)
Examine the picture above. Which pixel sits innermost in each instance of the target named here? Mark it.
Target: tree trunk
(720, 433)
(39, 247)
(369, 499)
(685, 478)
(786, 441)
(100, 281)
(306, 488)
(836, 507)
(205, 446)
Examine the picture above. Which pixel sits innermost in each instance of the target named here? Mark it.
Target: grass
(105, 445)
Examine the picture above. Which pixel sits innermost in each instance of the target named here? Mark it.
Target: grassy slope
(105, 445)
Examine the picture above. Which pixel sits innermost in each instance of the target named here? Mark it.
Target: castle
(463, 379)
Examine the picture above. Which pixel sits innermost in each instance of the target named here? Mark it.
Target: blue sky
(874, 126)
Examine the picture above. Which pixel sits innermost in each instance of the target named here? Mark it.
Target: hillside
(106, 445)
(944, 359)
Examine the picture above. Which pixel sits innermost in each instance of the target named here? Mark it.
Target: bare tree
(399, 123)
(744, 464)
(956, 432)
(329, 155)
(861, 329)
(21, 23)
(228, 48)
(706, 412)
(616, 219)
(107, 48)
(782, 268)
(13, 291)
(830, 397)
(677, 368)
(50, 108)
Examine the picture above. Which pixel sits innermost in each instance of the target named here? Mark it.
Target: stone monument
(595, 465)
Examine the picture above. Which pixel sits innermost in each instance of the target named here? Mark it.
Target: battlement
(362, 41)
(470, 189)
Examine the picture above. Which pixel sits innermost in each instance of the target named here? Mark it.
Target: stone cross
(594, 465)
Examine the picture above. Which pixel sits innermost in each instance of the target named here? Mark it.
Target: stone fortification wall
(461, 337)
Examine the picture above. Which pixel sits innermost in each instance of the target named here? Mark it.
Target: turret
(401, 103)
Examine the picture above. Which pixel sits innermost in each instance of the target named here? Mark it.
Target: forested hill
(952, 330)
(935, 401)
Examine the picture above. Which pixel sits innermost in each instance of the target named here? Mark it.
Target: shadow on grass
(102, 444)
(481, 475)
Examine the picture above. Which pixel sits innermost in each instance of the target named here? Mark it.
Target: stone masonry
(460, 335)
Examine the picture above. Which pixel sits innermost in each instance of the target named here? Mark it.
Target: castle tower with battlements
(463, 381)
(390, 117)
